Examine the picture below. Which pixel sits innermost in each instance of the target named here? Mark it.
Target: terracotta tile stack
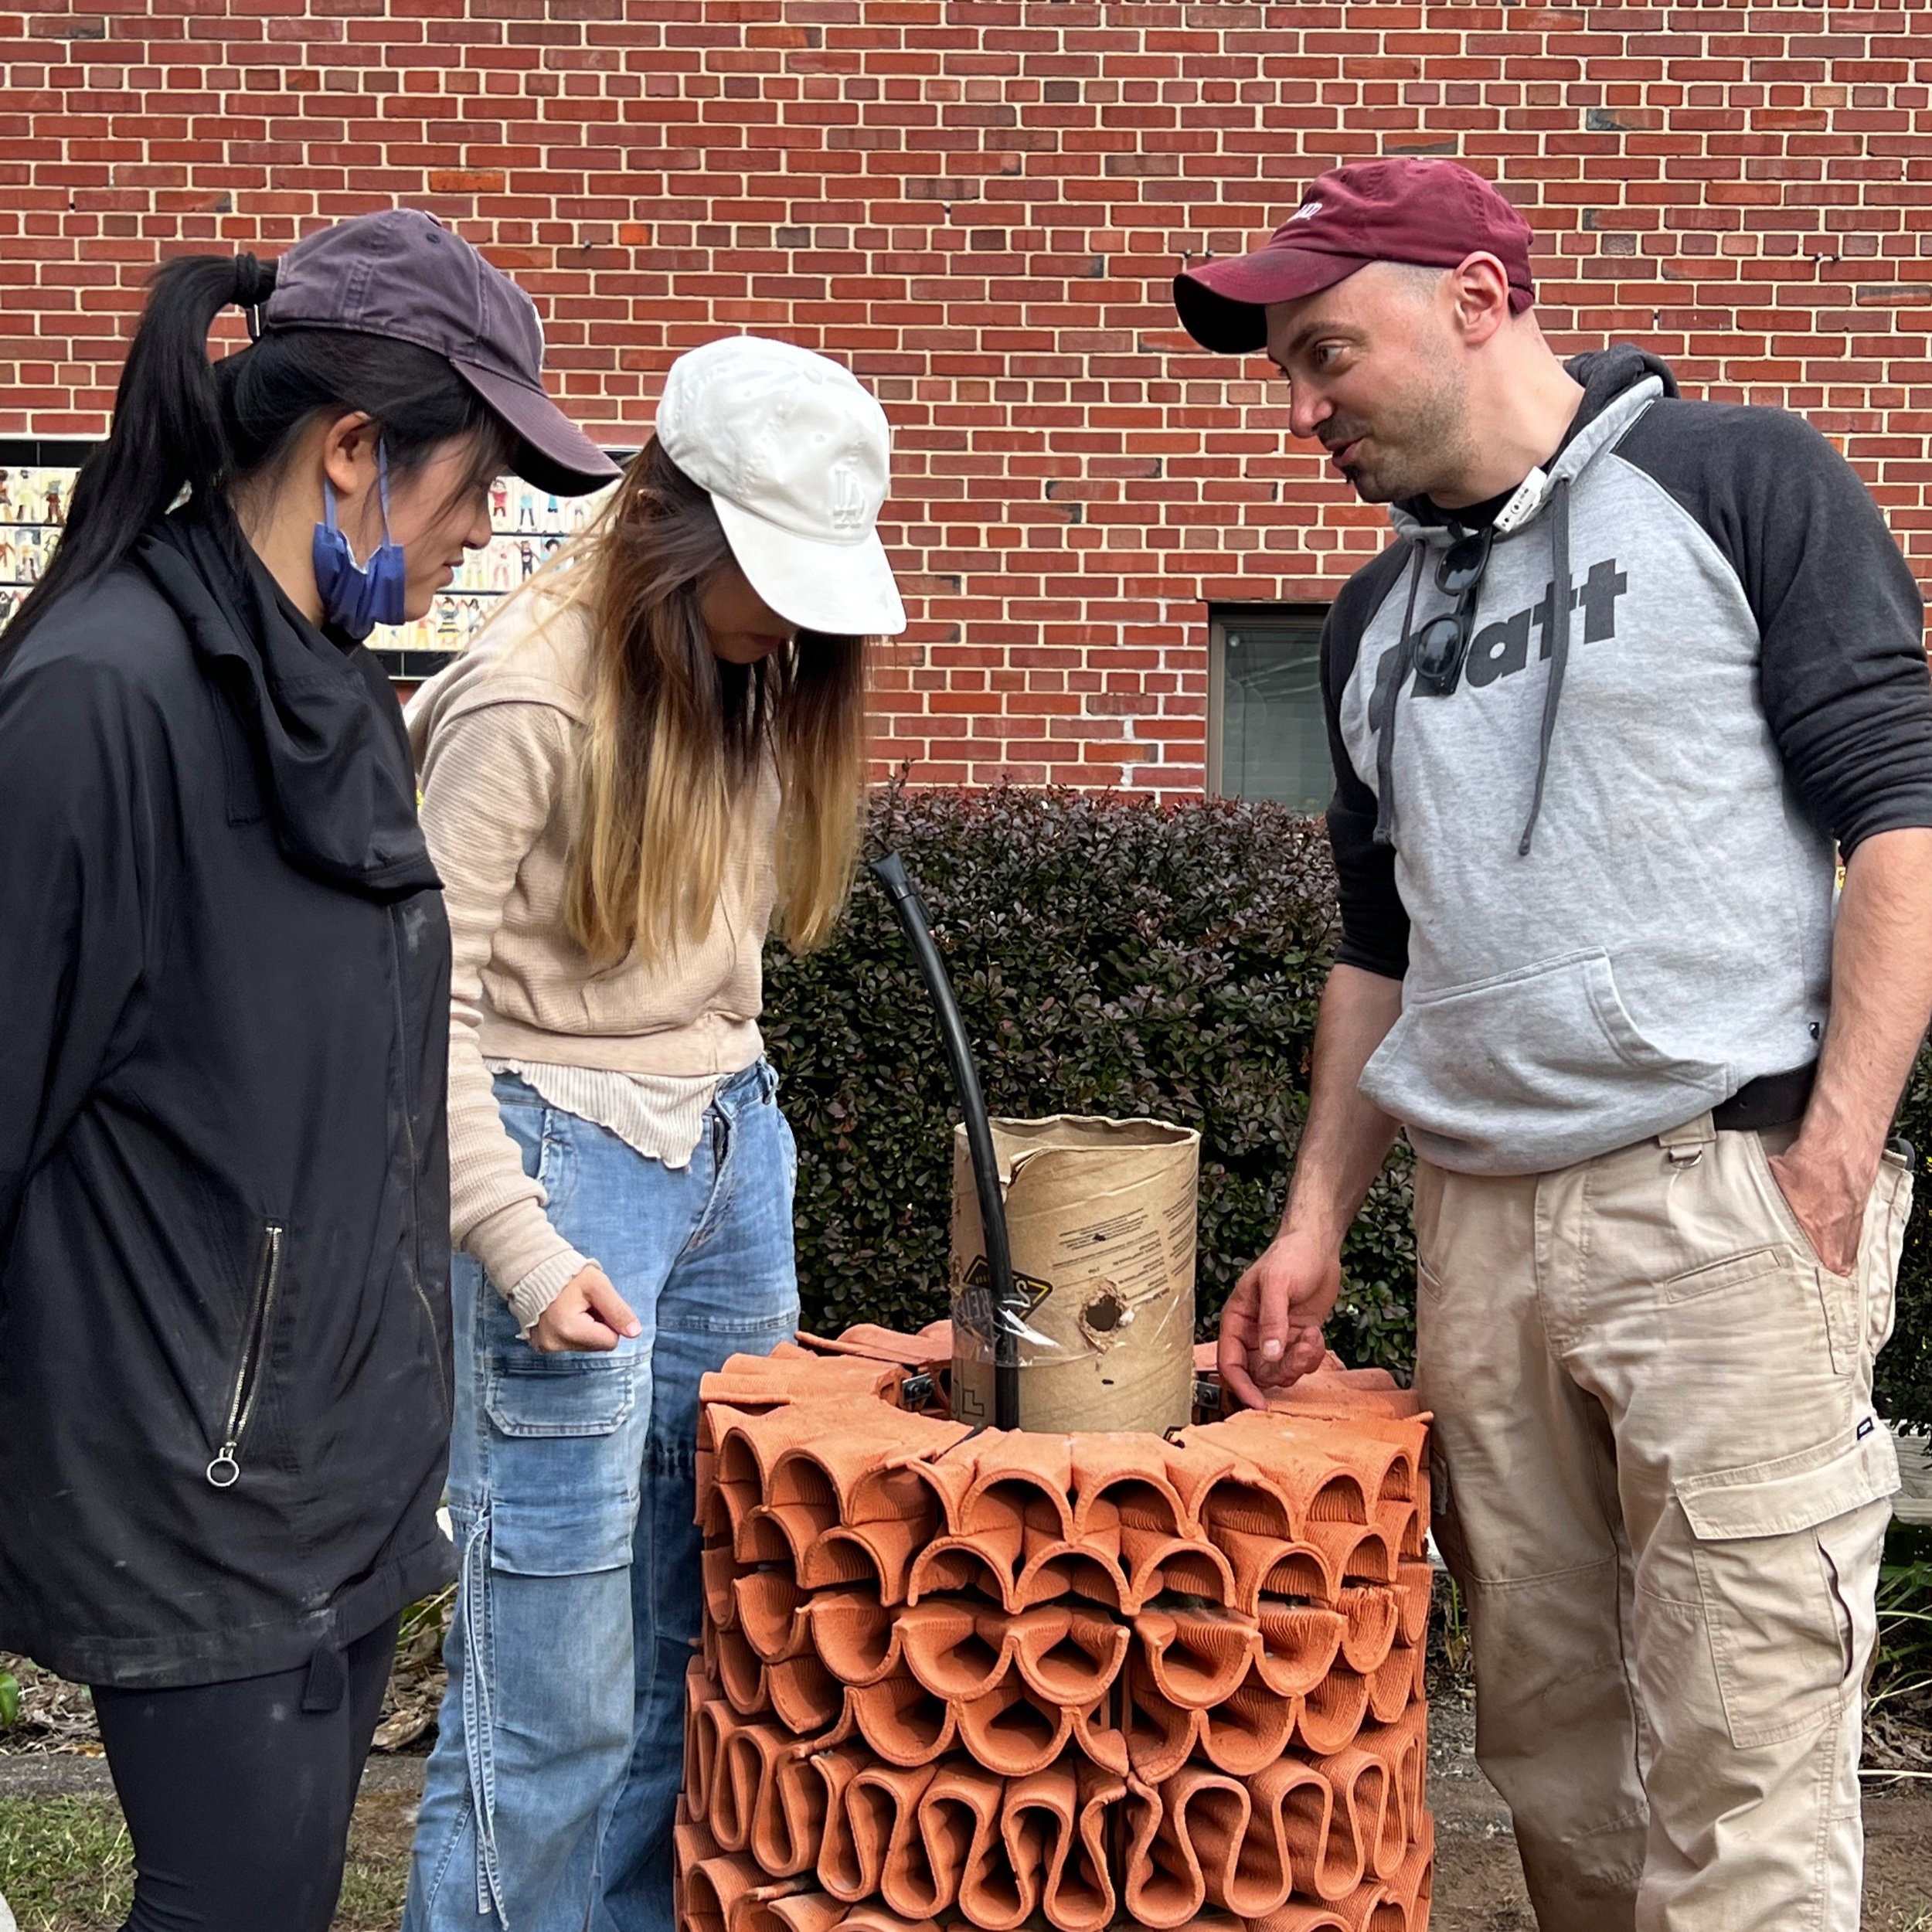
(996, 1680)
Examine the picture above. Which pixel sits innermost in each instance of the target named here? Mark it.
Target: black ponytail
(186, 428)
(168, 436)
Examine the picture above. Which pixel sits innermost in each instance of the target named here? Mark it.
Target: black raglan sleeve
(1375, 925)
(1842, 665)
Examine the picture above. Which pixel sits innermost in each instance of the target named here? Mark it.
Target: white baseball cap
(795, 454)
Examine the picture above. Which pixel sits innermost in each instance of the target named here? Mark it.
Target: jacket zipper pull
(225, 1472)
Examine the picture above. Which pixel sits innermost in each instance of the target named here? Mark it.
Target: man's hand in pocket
(1826, 1194)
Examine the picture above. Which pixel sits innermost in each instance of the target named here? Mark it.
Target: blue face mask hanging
(356, 599)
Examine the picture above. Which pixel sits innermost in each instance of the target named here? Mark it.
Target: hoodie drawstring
(1391, 674)
(1558, 650)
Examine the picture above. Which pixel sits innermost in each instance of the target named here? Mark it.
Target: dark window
(1266, 737)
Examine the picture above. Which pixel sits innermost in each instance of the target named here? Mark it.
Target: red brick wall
(980, 205)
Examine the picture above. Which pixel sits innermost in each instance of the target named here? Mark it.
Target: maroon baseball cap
(1433, 213)
(403, 274)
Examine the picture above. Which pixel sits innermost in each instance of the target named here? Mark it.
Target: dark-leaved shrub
(1109, 958)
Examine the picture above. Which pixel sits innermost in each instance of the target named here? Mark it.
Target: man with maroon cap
(1634, 673)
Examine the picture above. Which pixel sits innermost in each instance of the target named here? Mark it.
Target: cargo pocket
(532, 1394)
(562, 1469)
(1778, 1567)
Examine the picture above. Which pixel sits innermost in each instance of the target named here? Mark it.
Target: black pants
(238, 1797)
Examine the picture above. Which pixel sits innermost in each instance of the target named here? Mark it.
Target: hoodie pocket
(1534, 1068)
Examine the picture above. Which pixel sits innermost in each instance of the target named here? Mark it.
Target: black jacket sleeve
(1841, 663)
(79, 755)
(1375, 925)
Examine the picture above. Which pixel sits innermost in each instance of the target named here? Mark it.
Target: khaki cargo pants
(1661, 1486)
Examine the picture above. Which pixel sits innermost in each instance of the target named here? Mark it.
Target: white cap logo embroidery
(1306, 212)
(848, 504)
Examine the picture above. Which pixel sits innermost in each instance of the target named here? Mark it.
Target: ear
(1478, 291)
(349, 454)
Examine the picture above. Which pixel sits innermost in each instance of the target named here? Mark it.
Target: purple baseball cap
(403, 274)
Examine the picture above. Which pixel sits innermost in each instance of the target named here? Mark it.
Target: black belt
(1772, 1099)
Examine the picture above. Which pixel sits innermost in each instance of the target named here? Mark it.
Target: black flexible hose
(1008, 1314)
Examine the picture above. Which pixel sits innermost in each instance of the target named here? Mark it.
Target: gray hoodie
(1603, 865)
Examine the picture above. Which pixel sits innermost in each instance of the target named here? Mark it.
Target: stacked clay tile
(957, 1678)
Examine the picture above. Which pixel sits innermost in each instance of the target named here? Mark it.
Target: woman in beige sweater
(650, 752)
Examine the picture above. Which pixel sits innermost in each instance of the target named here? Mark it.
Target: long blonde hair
(678, 738)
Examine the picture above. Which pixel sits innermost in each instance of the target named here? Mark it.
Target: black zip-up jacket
(224, 999)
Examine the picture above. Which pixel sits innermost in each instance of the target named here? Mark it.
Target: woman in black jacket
(224, 1399)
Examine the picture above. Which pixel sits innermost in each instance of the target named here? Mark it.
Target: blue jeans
(548, 1802)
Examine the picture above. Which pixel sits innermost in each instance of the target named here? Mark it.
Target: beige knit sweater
(497, 738)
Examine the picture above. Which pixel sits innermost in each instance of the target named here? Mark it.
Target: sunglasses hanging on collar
(1441, 647)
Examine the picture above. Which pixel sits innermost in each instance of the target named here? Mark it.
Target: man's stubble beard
(1428, 449)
